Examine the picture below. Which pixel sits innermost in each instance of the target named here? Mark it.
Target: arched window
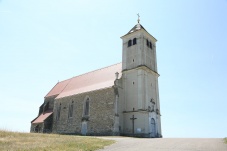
(59, 112)
(129, 43)
(150, 45)
(147, 43)
(70, 110)
(86, 107)
(134, 41)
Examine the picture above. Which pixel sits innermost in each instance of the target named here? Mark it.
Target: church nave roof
(91, 81)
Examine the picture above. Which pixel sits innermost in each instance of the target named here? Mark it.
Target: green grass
(225, 140)
(48, 142)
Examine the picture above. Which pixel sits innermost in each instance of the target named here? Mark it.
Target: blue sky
(43, 42)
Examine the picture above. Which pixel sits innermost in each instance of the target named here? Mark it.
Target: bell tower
(139, 49)
(140, 105)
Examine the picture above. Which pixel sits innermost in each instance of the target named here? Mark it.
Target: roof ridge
(92, 71)
(57, 84)
(66, 85)
(51, 89)
(86, 82)
(64, 80)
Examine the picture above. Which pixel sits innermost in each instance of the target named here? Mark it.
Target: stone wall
(37, 128)
(101, 113)
(45, 127)
(51, 102)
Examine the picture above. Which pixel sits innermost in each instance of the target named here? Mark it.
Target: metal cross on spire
(138, 18)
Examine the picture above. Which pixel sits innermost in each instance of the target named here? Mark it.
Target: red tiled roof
(95, 80)
(58, 88)
(42, 117)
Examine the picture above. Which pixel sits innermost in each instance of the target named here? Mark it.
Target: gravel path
(165, 144)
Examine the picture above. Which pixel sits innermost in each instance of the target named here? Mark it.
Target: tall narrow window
(147, 43)
(59, 112)
(70, 110)
(150, 45)
(129, 43)
(134, 41)
(86, 107)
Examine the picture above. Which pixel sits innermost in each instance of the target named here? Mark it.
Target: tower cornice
(135, 30)
(142, 67)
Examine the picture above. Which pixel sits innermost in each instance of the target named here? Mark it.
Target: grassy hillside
(48, 142)
(225, 139)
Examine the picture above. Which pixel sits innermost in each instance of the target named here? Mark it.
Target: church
(121, 99)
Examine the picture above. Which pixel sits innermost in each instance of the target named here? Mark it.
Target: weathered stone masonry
(101, 113)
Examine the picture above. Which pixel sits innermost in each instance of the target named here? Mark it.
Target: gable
(91, 81)
(58, 88)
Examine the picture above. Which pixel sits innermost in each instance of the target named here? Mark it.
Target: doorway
(84, 128)
(153, 129)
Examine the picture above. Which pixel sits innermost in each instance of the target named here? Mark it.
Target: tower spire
(138, 20)
(138, 27)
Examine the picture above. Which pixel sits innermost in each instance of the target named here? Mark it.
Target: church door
(84, 128)
(153, 130)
